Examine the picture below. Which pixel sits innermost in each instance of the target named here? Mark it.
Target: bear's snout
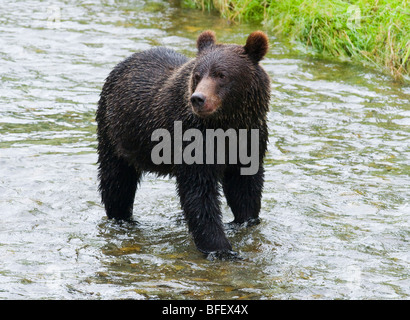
(204, 100)
(198, 100)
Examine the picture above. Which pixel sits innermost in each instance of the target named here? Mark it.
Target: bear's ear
(205, 39)
(257, 46)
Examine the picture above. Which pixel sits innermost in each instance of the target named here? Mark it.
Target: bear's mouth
(207, 105)
(204, 111)
(203, 114)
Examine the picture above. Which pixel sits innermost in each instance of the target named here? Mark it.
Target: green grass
(375, 33)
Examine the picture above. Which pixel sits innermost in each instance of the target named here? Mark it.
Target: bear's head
(223, 73)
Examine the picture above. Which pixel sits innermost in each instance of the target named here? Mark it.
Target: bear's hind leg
(118, 184)
(243, 194)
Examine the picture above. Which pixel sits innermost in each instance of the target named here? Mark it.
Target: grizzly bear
(222, 88)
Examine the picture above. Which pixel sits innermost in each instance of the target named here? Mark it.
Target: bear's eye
(221, 75)
(197, 77)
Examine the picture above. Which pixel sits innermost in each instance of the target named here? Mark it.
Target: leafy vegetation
(375, 32)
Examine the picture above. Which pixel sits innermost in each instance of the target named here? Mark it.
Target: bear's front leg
(198, 190)
(243, 194)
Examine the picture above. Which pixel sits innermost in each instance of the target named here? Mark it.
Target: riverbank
(375, 33)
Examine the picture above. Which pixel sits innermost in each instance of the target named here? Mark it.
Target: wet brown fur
(151, 90)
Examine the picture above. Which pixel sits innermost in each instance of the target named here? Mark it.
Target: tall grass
(375, 32)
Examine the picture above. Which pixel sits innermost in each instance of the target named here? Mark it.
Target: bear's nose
(198, 100)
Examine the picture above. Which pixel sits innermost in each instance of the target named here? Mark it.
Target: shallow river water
(335, 212)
